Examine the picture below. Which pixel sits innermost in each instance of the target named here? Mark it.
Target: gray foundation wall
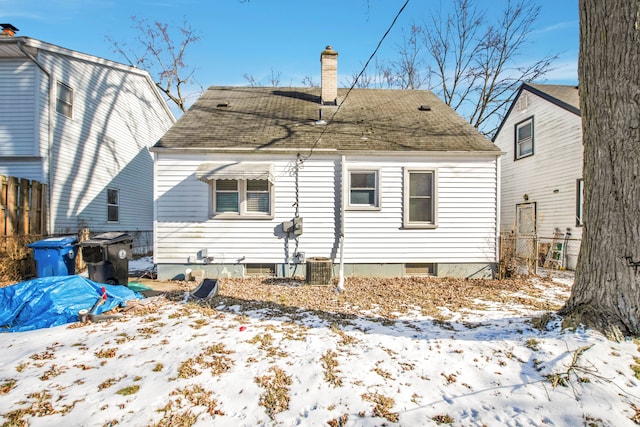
(214, 271)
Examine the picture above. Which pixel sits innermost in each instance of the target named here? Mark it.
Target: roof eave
(398, 153)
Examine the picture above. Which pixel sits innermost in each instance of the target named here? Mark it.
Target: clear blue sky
(287, 36)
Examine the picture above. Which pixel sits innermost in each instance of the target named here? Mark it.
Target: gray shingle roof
(259, 118)
(567, 94)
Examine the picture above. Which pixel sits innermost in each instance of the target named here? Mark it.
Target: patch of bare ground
(377, 297)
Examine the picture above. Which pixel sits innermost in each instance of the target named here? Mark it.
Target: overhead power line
(364, 68)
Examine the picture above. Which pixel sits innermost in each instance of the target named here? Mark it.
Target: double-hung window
(113, 205)
(227, 196)
(524, 139)
(420, 202)
(242, 197)
(239, 190)
(64, 99)
(363, 189)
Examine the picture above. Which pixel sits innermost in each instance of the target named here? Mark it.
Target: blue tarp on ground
(55, 300)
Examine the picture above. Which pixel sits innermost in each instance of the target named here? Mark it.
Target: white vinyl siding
(116, 117)
(547, 178)
(466, 213)
(23, 169)
(18, 108)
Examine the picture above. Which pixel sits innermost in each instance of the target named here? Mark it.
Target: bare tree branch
(158, 53)
(472, 63)
(308, 81)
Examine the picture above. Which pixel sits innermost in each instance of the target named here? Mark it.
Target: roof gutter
(21, 45)
(236, 150)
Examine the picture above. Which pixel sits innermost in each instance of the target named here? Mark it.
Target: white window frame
(115, 205)
(376, 189)
(242, 213)
(407, 223)
(518, 143)
(579, 202)
(64, 106)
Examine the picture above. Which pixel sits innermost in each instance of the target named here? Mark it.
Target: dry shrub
(16, 259)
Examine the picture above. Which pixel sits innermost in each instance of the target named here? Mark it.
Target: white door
(525, 230)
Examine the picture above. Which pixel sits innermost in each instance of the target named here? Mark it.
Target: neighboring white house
(541, 182)
(255, 180)
(83, 125)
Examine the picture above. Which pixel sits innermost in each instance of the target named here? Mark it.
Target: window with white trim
(64, 99)
(363, 189)
(420, 201)
(579, 202)
(524, 139)
(242, 197)
(113, 205)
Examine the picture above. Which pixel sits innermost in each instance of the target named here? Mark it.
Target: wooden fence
(23, 207)
(23, 219)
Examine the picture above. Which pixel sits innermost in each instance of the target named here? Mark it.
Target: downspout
(340, 287)
(21, 44)
(498, 208)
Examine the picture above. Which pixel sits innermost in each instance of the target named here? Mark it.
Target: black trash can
(107, 257)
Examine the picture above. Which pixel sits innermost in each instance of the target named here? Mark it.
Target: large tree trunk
(606, 292)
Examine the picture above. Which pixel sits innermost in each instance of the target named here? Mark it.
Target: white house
(257, 180)
(82, 125)
(541, 183)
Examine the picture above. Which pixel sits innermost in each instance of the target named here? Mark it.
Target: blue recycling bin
(55, 256)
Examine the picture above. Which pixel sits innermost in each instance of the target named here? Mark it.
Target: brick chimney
(8, 30)
(329, 76)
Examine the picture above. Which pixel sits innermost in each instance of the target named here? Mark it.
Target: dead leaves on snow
(380, 298)
(275, 398)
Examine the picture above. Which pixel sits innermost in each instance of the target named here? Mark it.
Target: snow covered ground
(182, 364)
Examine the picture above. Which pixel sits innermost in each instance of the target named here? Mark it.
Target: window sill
(240, 217)
(363, 208)
(418, 226)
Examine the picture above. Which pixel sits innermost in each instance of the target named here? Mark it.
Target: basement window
(420, 269)
(260, 270)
